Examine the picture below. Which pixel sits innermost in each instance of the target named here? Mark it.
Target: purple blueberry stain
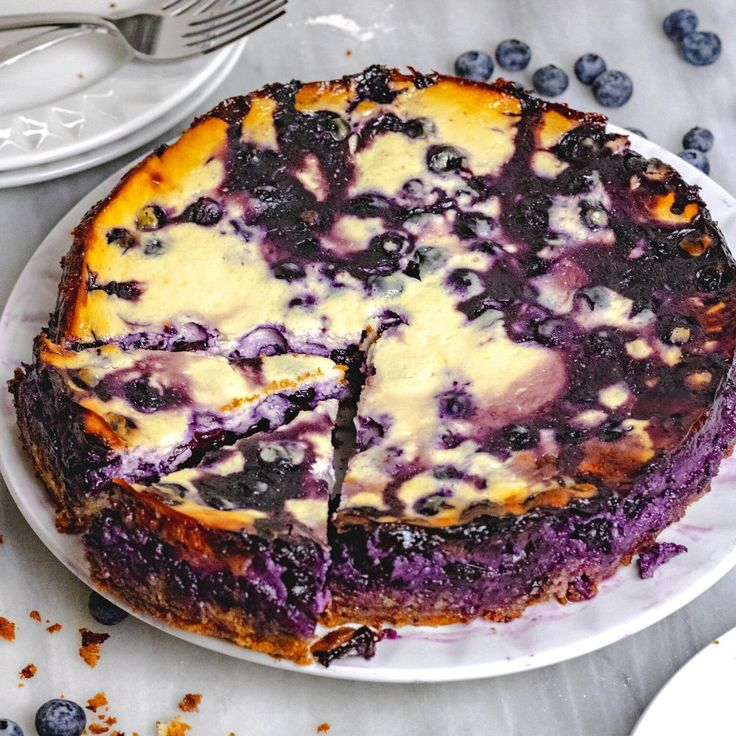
(456, 403)
(650, 559)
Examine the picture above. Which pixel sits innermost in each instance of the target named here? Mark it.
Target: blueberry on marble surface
(103, 611)
(679, 23)
(613, 88)
(696, 158)
(550, 80)
(10, 728)
(698, 139)
(701, 48)
(513, 55)
(60, 718)
(475, 65)
(588, 67)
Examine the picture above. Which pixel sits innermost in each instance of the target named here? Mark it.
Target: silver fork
(161, 29)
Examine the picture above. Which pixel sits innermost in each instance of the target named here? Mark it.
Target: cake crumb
(323, 727)
(97, 701)
(28, 671)
(90, 649)
(7, 629)
(97, 728)
(174, 727)
(716, 641)
(111, 720)
(53, 628)
(190, 703)
(80, 75)
(35, 615)
(349, 52)
(1, 539)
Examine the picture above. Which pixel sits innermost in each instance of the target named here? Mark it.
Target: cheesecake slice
(235, 546)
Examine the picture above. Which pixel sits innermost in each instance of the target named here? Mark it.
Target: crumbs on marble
(80, 75)
(174, 727)
(53, 628)
(28, 671)
(98, 700)
(716, 641)
(91, 643)
(190, 703)
(323, 727)
(349, 52)
(35, 615)
(7, 629)
(1, 539)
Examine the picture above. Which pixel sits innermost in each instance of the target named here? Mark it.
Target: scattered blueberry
(638, 131)
(696, 158)
(60, 718)
(103, 611)
(513, 55)
(613, 88)
(700, 48)
(475, 65)
(550, 80)
(588, 67)
(679, 23)
(204, 211)
(698, 139)
(443, 159)
(10, 728)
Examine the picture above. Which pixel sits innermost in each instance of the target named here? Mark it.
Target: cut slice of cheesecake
(105, 413)
(235, 546)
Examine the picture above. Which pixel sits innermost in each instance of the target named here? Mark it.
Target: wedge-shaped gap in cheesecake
(92, 416)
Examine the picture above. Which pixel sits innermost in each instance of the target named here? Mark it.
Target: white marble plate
(94, 96)
(548, 633)
(698, 698)
(136, 139)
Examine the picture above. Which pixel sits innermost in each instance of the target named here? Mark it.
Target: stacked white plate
(83, 101)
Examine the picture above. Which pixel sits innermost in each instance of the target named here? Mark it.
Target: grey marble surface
(601, 693)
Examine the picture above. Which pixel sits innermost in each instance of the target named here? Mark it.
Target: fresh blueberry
(588, 67)
(679, 23)
(60, 718)
(613, 88)
(550, 80)
(103, 611)
(700, 48)
(638, 131)
(10, 728)
(696, 158)
(698, 139)
(475, 65)
(513, 55)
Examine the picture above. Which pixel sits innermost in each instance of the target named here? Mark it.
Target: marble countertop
(145, 673)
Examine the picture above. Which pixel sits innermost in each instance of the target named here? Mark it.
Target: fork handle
(33, 20)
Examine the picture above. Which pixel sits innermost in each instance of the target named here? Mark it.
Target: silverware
(158, 31)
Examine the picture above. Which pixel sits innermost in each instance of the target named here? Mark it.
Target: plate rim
(75, 163)
(180, 84)
(358, 670)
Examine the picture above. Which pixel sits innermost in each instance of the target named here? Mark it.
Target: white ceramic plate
(698, 698)
(88, 159)
(94, 96)
(548, 633)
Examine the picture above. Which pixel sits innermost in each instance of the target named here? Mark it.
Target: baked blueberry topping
(154, 247)
(679, 24)
(60, 718)
(465, 282)
(521, 438)
(104, 611)
(204, 211)
(456, 404)
(288, 271)
(588, 67)
(550, 80)
(148, 399)
(698, 139)
(696, 158)
(445, 159)
(613, 88)
(700, 48)
(122, 238)
(475, 65)
(513, 55)
(151, 217)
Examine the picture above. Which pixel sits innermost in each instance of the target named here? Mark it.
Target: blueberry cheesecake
(532, 325)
